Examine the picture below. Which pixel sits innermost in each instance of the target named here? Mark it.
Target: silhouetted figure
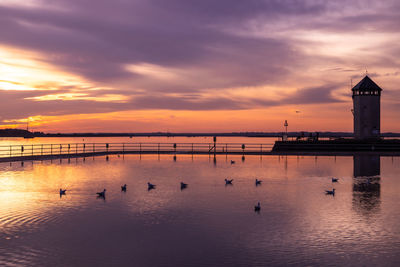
(123, 188)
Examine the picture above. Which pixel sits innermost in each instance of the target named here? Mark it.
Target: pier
(50, 151)
(76, 150)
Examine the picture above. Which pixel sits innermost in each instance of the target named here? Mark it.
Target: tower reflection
(366, 184)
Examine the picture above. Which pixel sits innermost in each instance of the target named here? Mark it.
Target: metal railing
(12, 151)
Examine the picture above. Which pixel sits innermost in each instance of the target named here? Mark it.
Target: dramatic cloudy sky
(194, 65)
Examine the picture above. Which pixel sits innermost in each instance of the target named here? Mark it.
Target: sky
(195, 66)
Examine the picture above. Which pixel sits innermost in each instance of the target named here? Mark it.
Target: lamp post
(286, 125)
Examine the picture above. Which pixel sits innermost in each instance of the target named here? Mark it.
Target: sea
(208, 223)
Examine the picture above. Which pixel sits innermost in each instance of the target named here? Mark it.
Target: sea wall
(338, 145)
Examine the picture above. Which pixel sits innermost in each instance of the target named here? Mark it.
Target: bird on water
(232, 162)
(62, 192)
(150, 186)
(258, 182)
(335, 180)
(183, 185)
(123, 188)
(102, 194)
(228, 181)
(257, 207)
(330, 192)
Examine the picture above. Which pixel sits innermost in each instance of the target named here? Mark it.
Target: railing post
(32, 150)
(69, 147)
(93, 147)
(84, 148)
(22, 150)
(123, 148)
(140, 148)
(41, 150)
(76, 148)
(158, 148)
(10, 151)
(60, 149)
(51, 149)
(192, 148)
(226, 149)
(261, 149)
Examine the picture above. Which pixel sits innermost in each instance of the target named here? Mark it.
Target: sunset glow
(143, 66)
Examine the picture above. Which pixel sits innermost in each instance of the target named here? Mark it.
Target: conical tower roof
(366, 84)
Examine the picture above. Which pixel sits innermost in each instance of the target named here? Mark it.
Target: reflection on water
(366, 187)
(207, 223)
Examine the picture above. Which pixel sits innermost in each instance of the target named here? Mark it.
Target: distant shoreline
(28, 134)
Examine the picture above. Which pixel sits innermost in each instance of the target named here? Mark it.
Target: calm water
(207, 224)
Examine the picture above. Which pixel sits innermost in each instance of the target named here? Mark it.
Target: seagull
(330, 192)
(258, 182)
(62, 192)
(232, 162)
(335, 180)
(257, 207)
(228, 181)
(123, 188)
(102, 194)
(150, 186)
(183, 185)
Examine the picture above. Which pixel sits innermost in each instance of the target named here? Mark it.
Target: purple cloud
(98, 39)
